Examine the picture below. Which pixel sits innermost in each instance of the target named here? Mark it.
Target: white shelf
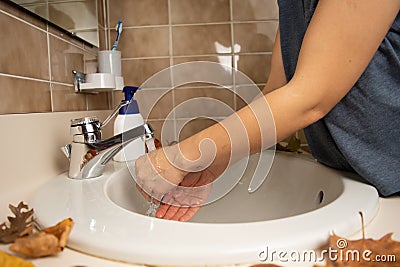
(102, 82)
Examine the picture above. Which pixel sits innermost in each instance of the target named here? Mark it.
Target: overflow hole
(320, 197)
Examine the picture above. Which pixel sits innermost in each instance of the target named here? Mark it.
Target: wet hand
(184, 201)
(155, 173)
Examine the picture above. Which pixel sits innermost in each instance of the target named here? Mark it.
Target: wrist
(195, 153)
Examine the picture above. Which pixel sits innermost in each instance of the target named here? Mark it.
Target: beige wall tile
(64, 58)
(90, 62)
(143, 42)
(197, 11)
(138, 12)
(203, 102)
(254, 32)
(223, 59)
(186, 128)
(256, 67)
(155, 103)
(204, 72)
(103, 38)
(90, 49)
(118, 96)
(101, 101)
(64, 98)
(25, 49)
(255, 37)
(222, 77)
(245, 94)
(28, 56)
(24, 96)
(136, 71)
(201, 39)
(164, 131)
(250, 10)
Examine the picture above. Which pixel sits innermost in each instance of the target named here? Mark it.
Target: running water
(150, 144)
(152, 210)
(154, 205)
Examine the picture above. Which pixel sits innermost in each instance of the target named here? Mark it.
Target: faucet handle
(114, 112)
(85, 125)
(84, 121)
(86, 129)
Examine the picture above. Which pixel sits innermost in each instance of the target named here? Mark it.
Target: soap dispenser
(128, 118)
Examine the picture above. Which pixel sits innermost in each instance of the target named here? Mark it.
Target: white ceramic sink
(299, 204)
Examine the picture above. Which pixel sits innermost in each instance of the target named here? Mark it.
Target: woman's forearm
(340, 41)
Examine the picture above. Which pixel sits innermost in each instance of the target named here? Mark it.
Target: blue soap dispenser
(128, 118)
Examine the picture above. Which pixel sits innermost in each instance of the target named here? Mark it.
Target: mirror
(78, 17)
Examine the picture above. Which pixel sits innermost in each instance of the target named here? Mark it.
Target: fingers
(162, 210)
(189, 214)
(169, 211)
(176, 213)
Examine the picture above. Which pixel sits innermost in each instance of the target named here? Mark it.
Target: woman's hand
(182, 203)
(182, 192)
(156, 175)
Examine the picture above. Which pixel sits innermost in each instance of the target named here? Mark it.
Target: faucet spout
(89, 154)
(111, 146)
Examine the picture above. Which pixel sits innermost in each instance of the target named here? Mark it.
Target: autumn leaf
(293, 145)
(7, 260)
(365, 252)
(49, 241)
(20, 225)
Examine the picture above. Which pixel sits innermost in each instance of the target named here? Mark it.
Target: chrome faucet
(88, 153)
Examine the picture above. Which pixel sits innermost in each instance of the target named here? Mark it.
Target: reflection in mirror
(76, 16)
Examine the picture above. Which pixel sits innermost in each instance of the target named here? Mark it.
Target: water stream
(154, 204)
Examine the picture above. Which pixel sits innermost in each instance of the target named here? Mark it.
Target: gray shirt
(362, 132)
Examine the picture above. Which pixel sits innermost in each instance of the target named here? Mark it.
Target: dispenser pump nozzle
(129, 91)
(132, 108)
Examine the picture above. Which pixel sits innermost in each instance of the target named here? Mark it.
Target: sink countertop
(386, 221)
(48, 162)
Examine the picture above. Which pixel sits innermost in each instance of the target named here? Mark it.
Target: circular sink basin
(299, 204)
(303, 187)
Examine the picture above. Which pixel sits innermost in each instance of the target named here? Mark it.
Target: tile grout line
(171, 64)
(108, 43)
(199, 24)
(107, 28)
(24, 77)
(198, 55)
(34, 79)
(38, 28)
(23, 21)
(49, 68)
(233, 65)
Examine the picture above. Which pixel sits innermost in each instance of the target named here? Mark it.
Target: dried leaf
(293, 145)
(49, 241)
(157, 143)
(19, 226)
(7, 260)
(61, 231)
(368, 252)
(36, 245)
